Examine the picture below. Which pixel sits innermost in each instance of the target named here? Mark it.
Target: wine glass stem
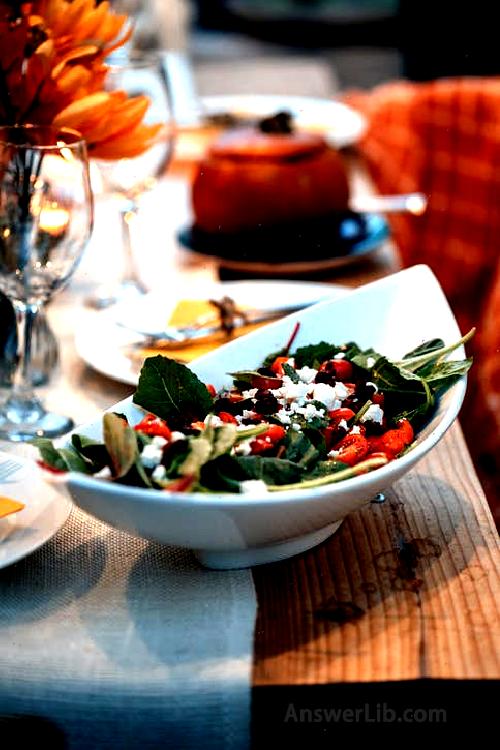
(23, 406)
(128, 214)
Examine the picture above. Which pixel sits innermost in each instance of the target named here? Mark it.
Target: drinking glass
(46, 216)
(44, 347)
(129, 178)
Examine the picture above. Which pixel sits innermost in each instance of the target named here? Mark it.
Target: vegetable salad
(321, 414)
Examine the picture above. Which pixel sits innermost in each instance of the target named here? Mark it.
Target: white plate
(231, 530)
(46, 509)
(341, 125)
(104, 344)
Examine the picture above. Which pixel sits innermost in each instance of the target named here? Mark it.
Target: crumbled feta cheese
(373, 414)
(160, 473)
(244, 448)
(247, 414)
(370, 361)
(151, 455)
(307, 374)
(372, 386)
(341, 391)
(253, 487)
(283, 417)
(213, 420)
(159, 441)
(251, 393)
(291, 361)
(355, 430)
(175, 436)
(327, 395)
(343, 424)
(294, 391)
(340, 355)
(296, 427)
(311, 411)
(279, 394)
(333, 454)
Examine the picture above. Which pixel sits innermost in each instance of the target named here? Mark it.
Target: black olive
(373, 428)
(365, 391)
(267, 372)
(325, 377)
(353, 403)
(337, 435)
(266, 402)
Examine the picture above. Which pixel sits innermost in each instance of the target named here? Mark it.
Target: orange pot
(250, 179)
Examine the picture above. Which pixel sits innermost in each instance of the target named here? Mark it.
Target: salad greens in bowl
(258, 450)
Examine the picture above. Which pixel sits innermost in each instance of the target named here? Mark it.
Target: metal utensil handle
(413, 203)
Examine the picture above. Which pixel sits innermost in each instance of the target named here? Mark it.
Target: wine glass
(44, 347)
(46, 216)
(129, 178)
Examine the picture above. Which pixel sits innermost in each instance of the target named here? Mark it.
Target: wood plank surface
(406, 589)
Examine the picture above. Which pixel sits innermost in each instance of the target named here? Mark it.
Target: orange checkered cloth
(443, 139)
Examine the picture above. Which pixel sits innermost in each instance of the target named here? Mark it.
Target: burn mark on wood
(403, 560)
(334, 610)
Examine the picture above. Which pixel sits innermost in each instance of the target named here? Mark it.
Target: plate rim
(59, 504)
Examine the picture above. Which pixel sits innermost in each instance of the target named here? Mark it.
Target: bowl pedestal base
(268, 553)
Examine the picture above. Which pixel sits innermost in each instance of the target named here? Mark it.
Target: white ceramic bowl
(393, 316)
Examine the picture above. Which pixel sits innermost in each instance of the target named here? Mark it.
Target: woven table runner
(120, 642)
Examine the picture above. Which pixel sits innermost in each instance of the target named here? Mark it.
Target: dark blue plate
(326, 242)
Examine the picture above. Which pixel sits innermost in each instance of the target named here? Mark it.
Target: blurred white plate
(103, 340)
(46, 509)
(340, 124)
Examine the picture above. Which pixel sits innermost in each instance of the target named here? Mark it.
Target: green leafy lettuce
(172, 391)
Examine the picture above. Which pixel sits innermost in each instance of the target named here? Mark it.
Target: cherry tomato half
(226, 417)
(352, 448)
(266, 383)
(268, 439)
(275, 433)
(155, 426)
(341, 368)
(277, 365)
(182, 484)
(337, 415)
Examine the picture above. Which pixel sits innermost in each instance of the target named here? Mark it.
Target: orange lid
(249, 143)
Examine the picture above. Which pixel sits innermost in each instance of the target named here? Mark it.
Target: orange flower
(52, 71)
(81, 23)
(111, 124)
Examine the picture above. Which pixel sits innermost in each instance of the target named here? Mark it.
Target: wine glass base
(48, 426)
